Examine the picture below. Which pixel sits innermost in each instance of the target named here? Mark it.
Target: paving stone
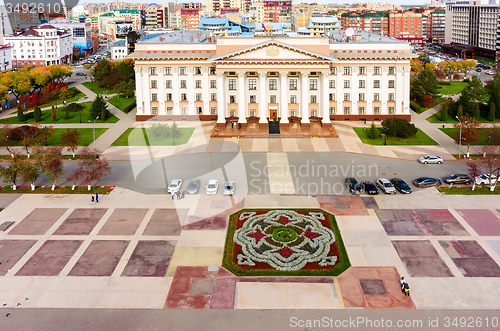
(372, 286)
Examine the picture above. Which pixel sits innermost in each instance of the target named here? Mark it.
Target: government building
(283, 78)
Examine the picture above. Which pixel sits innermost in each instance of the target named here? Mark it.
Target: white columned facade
(406, 90)
(146, 92)
(325, 101)
(162, 110)
(262, 98)
(369, 90)
(138, 92)
(284, 96)
(383, 91)
(354, 90)
(205, 90)
(304, 102)
(221, 100)
(175, 91)
(242, 101)
(190, 91)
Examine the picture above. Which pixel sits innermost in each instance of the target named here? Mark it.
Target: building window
(347, 97)
(347, 83)
(212, 70)
(169, 96)
(293, 112)
(376, 70)
(170, 110)
(168, 70)
(362, 70)
(154, 96)
(183, 84)
(232, 113)
(253, 112)
(198, 83)
(197, 70)
(376, 96)
(182, 70)
(184, 110)
(333, 70)
(213, 110)
(331, 84)
(253, 99)
(232, 99)
(361, 97)
(154, 84)
(293, 84)
(213, 96)
(347, 110)
(391, 110)
(391, 96)
(314, 112)
(213, 84)
(361, 110)
(391, 84)
(168, 84)
(313, 99)
(376, 83)
(155, 110)
(331, 96)
(273, 84)
(361, 84)
(184, 97)
(392, 70)
(152, 70)
(272, 99)
(313, 84)
(232, 84)
(376, 110)
(332, 110)
(198, 96)
(347, 70)
(252, 84)
(293, 99)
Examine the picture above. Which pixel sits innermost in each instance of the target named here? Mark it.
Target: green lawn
(121, 102)
(485, 61)
(483, 135)
(468, 190)
(140, 137)
(98, 89)
(86, 136)
(60, 116)
(77, 96)
(420, 138)
(454, 88)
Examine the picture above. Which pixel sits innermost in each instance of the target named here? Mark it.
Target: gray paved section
(7, 199)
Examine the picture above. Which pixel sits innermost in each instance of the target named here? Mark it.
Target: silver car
(175, 185)
(431, 159)
(386, 186)
(228, 188)
(193, 186)
(212, 187)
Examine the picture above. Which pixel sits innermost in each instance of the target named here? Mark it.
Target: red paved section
(166, 222)
(199, 288)
(12, 251)
(421, 259)
(50, 259)
(351, 205)
(81, 222)
(123, 222)
(471, 259)
(399, 222)
(100, 258)
(483, 221)
(218, 222)
(38, 221)
(373, 288)
(441, 222)
(150, 258)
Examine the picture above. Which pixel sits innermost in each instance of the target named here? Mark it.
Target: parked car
(212, 186)
(81, 74)
(175, 185)
(401, 185)
(478, 70)
(385, 185)
(431, 159)
(193, 186)
(489, 72)
(228, 188)
(426, 182)
(370, 188)
(352, 185)
(484, 179)
(458, 179)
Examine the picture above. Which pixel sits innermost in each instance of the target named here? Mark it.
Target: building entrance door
(273, 114)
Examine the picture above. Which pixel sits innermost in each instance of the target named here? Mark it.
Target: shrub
(416, 108)
(444, 83)
(20, 113)
(466, 80)
(20, 132)
(491, 114)
(372, 131)
(428, 101)
(398, 127)
(130, 107)
(444, 112)
(53, 111)
(73, 107)
(37, 114)
(456, 76)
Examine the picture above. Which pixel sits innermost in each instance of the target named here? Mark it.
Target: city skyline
(325, 2)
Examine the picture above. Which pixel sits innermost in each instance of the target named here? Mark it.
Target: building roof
(126, 11)
(366, 37)
(324, 19)
(176, 37)
(45, 26)
(119, 43)
(439, 11)
(107, 14)
(276, 26)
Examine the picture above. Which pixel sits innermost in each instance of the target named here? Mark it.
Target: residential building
(41, 46)
(152, 16)
(189, 15)
(293, 79)
(223, 26)
(168, 7)
(324, 25)
(81, 34)
(118, 50)
(24, 19)
(119, 22)
(255, 13)
(376, 22)
(5, 58)
(277, 11)
(311, 8)
(434, 26)
(405, 25)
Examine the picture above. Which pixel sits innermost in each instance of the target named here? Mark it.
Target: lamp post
(93, 128)
(460, 138)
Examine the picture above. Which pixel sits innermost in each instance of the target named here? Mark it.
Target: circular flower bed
(284, 242)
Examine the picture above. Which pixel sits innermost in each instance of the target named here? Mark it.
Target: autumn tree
(470, 134)
(473, 169)
(90, 169)
(467, 66)
(491, 163)
(30, 171)
(53, 114)
(416, 65)
(65, 93)
(53, 164)
(6, 138)
(12, 171)
(71, 139)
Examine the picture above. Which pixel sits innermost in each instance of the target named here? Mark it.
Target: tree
(11, 173)
(175, 132)
(491, 163)
(464, 100)
(37, 114)
(159, 130)
(97, 107)
(65, 93)
(476, 90)
(444, 112)
(473, 170)
(6, 139)
(460, 111)
(493, 89)
(102, 70)
(20, 114)
(427, 101)
(416, 65)
(90, 170)
(71, 139)
(53, 164)
(30, 171)
(430, 65)
(467, 66)
(53, 113)
(104, 115)
(372, 132)
(425, 83)
(470, 134)
(398, 127)
(491, 113)
(36, 136)
(477, 112)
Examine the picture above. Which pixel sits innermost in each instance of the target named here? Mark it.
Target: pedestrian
(183, 193)
(178, 194)
(406, 289)
(173, 196)
(97, 198)
(402, 281)
(92, 200)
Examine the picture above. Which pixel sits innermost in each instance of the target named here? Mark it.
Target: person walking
(406, 289)
(92, 200)
(178, 194)
(96, 198)
(183, 193)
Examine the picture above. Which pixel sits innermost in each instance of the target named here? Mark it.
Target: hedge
(415, 107)
(130, 107)
(444, 83)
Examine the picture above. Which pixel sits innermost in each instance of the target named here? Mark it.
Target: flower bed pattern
(284, 242)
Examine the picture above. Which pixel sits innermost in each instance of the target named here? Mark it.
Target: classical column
(284, 97)
(383, 91)
(138, 90)
(176, 91)
(354, 90)
(146, 91)
(325, 100)
(190, 90)
(205, 84)
(369, 90)
(406, 89)
(160, 83)
(242, 101)
(304, 102)
(221, 100)
(262, 97)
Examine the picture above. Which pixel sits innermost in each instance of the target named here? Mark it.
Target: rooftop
(176, 37)
(120, 42)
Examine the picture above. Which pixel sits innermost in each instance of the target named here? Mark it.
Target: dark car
(401, 185)
(426, 182)
(457, 179)
(193, 186)
(478, 70)
(81, 74)
(370, 188)
(353, 185)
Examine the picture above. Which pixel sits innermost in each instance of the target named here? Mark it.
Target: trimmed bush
(398, 127)
(491, 114)
(444, 112)
(37, 114)
(130, 107)
(20, 114)
(444, 83)
(372, 131)
(415, 107)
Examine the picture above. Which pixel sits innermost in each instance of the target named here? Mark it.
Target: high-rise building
(277, 11)
(152, 16)
(190, 15)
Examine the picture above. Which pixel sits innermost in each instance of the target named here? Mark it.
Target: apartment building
(255, 13)
(152, 16)
(189, 15)
(277, 11)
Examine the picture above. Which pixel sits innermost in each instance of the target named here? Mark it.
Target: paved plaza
(147, 251)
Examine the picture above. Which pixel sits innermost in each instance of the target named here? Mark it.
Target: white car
(175, 185)
(484, 179)
(431, 159)
(213, 186)
(386, 186)
(228, 188)
(489, 72)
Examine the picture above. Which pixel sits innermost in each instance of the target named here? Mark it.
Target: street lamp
(93, 128)
(460, 138)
